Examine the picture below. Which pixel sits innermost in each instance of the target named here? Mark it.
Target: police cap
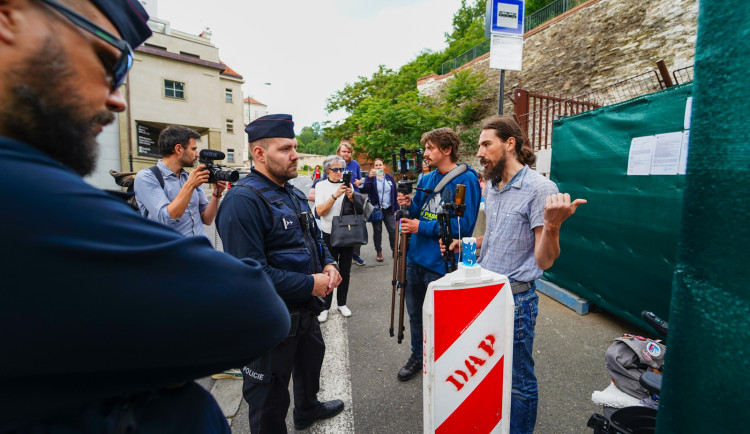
(269, 126)
(129, 17)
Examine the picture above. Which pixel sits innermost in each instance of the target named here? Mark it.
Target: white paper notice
(666, 159)
(688, 112)
(684, 153)
(641, 150)
(506, 52)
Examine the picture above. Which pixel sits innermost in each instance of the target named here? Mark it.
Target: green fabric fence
(619, 250)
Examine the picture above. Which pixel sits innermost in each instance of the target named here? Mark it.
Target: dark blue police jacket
(260, 219)
(98, 303)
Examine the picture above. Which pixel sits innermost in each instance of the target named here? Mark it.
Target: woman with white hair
(329, 198)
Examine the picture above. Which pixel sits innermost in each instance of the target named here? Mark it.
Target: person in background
(381, 188)
(106, 317)
(346, 151)
(330, 195)
(424, 262)
(181, 204)
(425, 170)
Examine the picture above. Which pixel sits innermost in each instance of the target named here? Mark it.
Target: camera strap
(450, 176)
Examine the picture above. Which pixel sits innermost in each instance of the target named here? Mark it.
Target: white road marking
(335, 375)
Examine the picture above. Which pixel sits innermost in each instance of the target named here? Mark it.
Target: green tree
(315, 140)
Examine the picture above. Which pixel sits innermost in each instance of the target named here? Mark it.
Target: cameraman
(181, 204)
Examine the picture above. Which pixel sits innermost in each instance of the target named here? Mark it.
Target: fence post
(664, 72)
(521, 109)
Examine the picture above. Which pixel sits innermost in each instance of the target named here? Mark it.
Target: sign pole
(500, 95)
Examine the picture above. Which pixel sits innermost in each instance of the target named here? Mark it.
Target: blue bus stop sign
(506, 17)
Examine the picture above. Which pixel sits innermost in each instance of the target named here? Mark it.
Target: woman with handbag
(330, 194)
(381, 188)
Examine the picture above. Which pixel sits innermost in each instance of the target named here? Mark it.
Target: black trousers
(342, 255)
(377, 230)
(266, 380)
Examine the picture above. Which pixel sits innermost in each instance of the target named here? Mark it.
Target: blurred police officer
(265, 218)
(99, 331)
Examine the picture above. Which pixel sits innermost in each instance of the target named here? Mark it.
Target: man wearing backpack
(167, 193)
(424, 260)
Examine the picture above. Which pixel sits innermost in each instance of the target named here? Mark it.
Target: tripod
(401, 241)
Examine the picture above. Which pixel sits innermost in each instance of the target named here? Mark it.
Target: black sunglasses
(119, 70)
(337, 169)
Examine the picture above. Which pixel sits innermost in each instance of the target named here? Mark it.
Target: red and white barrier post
(468, 352)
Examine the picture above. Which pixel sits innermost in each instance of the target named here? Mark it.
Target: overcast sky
(308, 50)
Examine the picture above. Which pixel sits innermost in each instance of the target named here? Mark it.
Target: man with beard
(99, 331)
(265, 218)
(524, 214)
(181, 203)
(424, 261)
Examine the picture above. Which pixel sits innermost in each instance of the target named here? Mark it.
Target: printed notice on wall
(661, 154)
(641, 150)
(684, 153)
(666, 158)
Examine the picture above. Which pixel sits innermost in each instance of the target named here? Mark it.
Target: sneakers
(325, 410)
(230, 374)
(323, 316)
(345, 311)
(410, 370)
(357, 260)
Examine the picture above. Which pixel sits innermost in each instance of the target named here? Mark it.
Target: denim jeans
(525, 393)
(417, 280)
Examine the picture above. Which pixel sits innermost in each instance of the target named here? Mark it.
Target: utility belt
(519, 287)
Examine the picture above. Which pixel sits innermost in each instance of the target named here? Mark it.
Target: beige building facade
(178, 79)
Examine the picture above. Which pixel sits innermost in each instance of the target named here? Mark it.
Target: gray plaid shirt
(512, 214)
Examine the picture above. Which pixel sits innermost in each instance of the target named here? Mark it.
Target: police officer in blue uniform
(265, 218)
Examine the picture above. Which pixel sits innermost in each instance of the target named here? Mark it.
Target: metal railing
(683, 75)
(548, 12)
(534, 20)
(467, 56)
(535, 112)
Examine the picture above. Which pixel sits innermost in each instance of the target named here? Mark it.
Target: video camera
(215, 172)
(406, 162)
(347, 178)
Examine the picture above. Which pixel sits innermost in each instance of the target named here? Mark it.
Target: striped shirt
(512, 214)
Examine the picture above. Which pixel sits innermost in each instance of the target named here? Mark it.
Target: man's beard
(185, 163)
(280, 171)
(46, 113)
(494, 172)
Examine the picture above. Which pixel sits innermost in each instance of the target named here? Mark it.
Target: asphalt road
(362, 361)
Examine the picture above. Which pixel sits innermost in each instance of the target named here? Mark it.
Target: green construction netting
(707, 372)
(619, 250)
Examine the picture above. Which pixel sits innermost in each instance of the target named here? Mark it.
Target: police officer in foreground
(105, 317)
(265, 218)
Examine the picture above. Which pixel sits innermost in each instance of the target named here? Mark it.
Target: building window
(174, 89)
(230, 155)
(230, 126)
(228, 95)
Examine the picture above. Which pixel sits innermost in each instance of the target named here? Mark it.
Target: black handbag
(349, 230)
